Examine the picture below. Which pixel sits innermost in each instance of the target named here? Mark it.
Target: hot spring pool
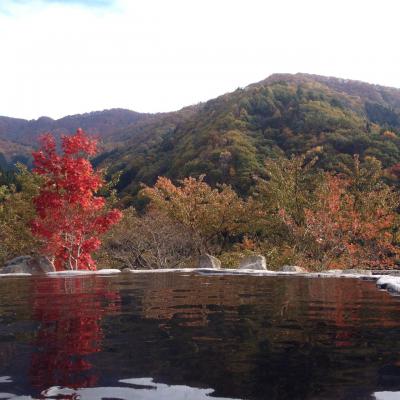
(178, 336)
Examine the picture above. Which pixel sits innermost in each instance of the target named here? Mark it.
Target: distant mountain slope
(228, 138)
(18, 136)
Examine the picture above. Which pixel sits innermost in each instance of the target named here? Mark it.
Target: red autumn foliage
(70, 216)
(394, 171)
(343, 234)
(364, 232)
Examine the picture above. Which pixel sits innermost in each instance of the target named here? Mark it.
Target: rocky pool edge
(384, 281)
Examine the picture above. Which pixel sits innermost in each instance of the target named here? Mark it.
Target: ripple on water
(224, 337)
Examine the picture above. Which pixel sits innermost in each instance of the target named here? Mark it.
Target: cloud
(10, 7)
(87, 3)
(62, 57)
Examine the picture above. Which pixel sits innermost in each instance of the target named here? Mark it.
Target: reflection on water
(69, 312)
(387, 396)
(136, 388)
(140, 388)
(198, 337)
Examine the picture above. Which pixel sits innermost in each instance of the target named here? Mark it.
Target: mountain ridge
(229, 137)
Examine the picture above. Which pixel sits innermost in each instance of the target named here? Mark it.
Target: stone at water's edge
(332, 271)
(357, 271)
(209, 261)
(390, 283)
(253, 262)
(293, 268)
(29, 265)
(392, 272)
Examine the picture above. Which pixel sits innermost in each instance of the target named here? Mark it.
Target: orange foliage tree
(208, 214)
(70, 217)
(346, 230)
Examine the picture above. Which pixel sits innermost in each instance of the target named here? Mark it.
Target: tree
(289, 188)
(208, 214)
(325, 221)
(290, 185)
(351, 233)
(70, 216)
(152, 240)
(16, 211)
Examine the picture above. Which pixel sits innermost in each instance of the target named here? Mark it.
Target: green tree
(16, 212)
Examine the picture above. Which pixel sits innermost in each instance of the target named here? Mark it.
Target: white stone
(356, 271)
(253, 262)
(293, 268)
(390, 283)
(209, 261)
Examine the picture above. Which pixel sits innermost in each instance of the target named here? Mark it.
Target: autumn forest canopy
(300, 168)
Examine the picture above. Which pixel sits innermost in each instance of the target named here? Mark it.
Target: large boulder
(28, 265)
(209, 261)
(253, 262)
(293, 268)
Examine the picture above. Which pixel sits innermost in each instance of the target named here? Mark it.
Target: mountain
(228, 138)
(19, 136)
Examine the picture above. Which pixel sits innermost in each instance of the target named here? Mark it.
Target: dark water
(175, 336)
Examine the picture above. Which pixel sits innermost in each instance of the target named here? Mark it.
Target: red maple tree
(70, 217)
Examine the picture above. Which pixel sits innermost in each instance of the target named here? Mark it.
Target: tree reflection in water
(243, 337)
(69, 311)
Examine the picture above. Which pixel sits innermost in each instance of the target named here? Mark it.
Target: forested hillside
(240, 174)
(229, 138)
(18, 137)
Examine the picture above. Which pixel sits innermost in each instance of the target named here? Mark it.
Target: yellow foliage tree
(211, 215)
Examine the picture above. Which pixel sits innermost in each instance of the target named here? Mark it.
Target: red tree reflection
(69, 311)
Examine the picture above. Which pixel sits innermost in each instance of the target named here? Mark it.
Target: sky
(63, 57)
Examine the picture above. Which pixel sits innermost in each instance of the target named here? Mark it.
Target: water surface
(179, 336)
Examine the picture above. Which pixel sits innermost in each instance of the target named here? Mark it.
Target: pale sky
(61, 57)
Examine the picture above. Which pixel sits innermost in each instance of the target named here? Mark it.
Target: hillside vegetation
(302, 169)
(18, 137)
(229, 138)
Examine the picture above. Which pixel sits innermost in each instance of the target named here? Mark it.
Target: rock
(126, 270)
(17, 260)
(391, 272)
(390, 283)
(209, 261)
(293, 268)
(253, 262)
(357, 271)
(332, 271)
(29, 265)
